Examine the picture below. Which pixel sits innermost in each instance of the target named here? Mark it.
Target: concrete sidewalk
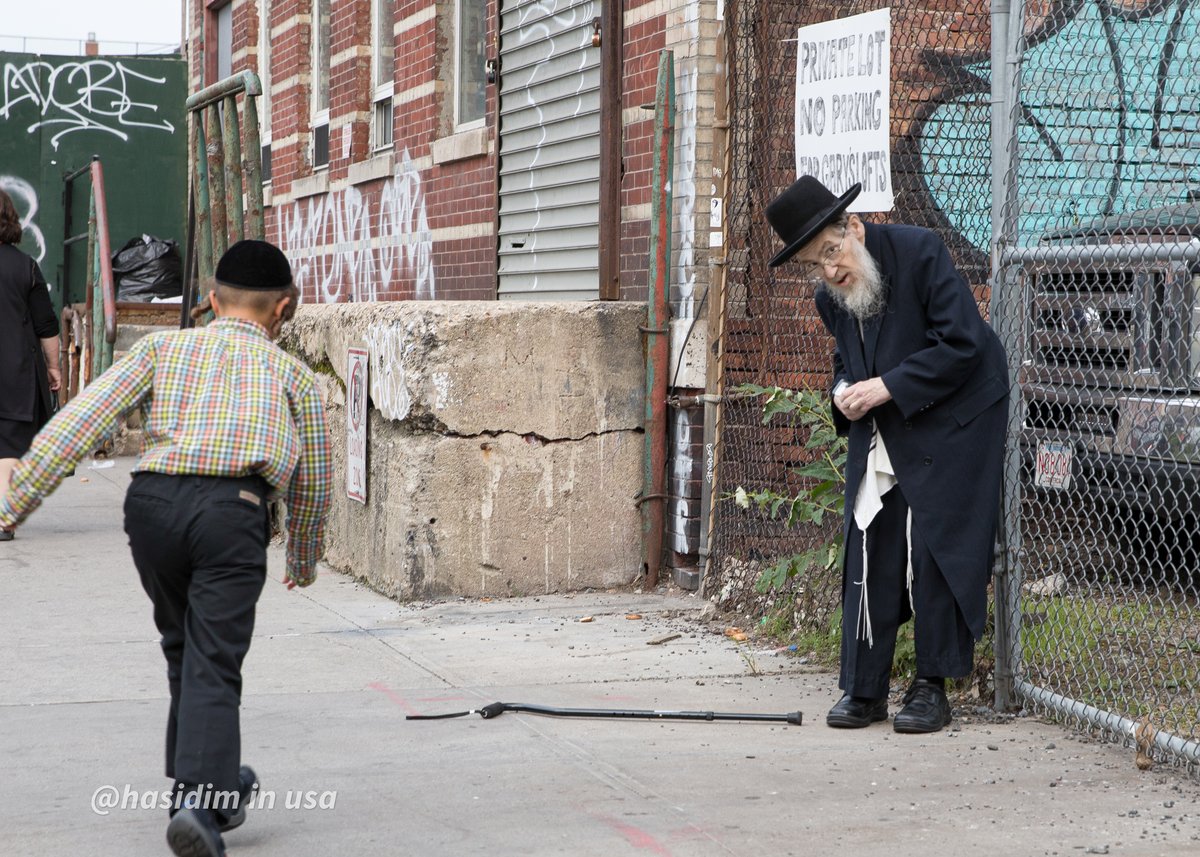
(335, 668)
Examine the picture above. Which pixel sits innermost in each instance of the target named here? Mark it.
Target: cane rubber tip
(796, 718)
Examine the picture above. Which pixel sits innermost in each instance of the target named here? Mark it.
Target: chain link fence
(1097, 301)
(771, 332)
(1098, 308)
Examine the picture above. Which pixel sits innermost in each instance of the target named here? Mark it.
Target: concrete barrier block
(557, 370)
(504, 515)
(504, 445)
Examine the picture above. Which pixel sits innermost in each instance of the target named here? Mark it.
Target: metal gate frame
(1012, 682)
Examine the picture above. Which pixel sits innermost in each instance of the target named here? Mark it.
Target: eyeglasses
(829, 259)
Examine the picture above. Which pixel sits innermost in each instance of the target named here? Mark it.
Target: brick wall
(413, 221)
(419, 221)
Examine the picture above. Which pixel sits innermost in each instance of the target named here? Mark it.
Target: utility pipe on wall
(654, 470)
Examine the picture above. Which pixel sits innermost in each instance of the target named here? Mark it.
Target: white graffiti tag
(345, 246)
(683, 526)
(389, 346)
(80, 96)
(685, 191)
(24, 197)
(685, 164)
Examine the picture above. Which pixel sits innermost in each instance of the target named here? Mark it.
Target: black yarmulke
(254, 264)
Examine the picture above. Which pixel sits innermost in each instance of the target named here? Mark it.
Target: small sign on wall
(356, 424)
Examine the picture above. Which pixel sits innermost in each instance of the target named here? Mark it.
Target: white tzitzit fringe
(880, 477)
(863, 630)
(908, 577)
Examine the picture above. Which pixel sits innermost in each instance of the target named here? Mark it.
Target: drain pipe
(654, 466)
(714, 379)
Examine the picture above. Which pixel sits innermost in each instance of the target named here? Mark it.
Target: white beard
(866, 298)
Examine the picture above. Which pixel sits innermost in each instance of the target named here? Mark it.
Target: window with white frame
(383, 71)
(264, 76)
(320, 84)
(470, 48)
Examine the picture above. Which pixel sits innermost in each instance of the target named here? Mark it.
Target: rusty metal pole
(611, 34)
(104, 276)
(204, 225)
(94, 300)
(215, 152)
(231, 138)
(255, 219)
(654, 471)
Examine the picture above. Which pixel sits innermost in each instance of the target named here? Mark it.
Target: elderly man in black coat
(920, 384)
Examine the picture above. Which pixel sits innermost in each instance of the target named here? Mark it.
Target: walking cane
(796, 718)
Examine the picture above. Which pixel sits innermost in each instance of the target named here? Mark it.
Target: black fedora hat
(799, 213)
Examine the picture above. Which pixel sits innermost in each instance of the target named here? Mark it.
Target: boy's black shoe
(193, 833)
(247, 788)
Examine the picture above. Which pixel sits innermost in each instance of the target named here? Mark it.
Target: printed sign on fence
(1053, 465)
(843, 73)
(356, 424)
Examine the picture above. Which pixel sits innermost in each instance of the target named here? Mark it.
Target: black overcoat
(26, 315)
(945, 426)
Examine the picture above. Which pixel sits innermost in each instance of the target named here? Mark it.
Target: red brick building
(451, 150)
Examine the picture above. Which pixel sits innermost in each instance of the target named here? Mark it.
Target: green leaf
(818, 469)
(775, 506)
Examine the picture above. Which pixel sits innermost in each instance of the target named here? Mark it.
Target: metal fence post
(1006, 308)
(654, 477)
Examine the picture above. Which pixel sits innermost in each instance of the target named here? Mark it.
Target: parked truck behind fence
(1111, 377)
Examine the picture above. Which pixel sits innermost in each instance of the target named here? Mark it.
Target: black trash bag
(147, 268)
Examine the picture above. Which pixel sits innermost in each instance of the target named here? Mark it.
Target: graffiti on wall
(683, 525)
(25, 199)
(684, 189)
(347, 246)
(85, 95)
(1109, 114)
(389, 346)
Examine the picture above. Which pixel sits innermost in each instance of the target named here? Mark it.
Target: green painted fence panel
(56, 112)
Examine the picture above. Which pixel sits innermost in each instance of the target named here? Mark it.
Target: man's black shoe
(193, 833)
(926, 708)
(855, 712)
(247, 788)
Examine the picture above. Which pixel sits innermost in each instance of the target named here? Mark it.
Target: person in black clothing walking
(29, 371)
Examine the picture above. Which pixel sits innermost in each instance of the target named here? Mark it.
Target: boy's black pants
(200, 547)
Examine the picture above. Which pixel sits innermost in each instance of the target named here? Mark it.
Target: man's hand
(858, 399)
(55, 378)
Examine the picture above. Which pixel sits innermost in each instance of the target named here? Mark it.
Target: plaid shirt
(224, 400)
